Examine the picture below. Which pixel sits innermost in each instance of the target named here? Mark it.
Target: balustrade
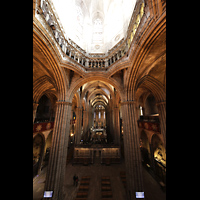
(72, 50)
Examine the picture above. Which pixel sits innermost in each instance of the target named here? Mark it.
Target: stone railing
(79, 55)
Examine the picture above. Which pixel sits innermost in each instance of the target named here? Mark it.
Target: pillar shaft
(132, 150)
(85, 121)
(116, 125)
(90, 118)
(112, 124)
(58, 153)
(78, 124)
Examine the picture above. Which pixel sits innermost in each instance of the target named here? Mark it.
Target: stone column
(101, 63)
(82, 60)
(118, 55)
(35, 105)
(106, 62)
(126, 48)
(108, 129)
(162, 117)
(58, 154)
(56, 34)
(111, 122)
(85, 121)
(47, 17)
(116, 125)
(113, 58)
(90, 117)
(71, 120)
(78, 125)
(132, 153)
(86, 62)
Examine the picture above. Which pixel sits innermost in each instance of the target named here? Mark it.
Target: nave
(86, 98)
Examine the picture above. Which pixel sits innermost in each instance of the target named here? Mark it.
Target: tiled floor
(96, 171)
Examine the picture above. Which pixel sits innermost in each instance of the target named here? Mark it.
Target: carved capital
(64, 103)
(128, 102)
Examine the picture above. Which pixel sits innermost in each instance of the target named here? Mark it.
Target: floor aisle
(96, 171)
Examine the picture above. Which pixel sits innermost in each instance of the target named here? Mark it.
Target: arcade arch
(96, 97)
(46, 108)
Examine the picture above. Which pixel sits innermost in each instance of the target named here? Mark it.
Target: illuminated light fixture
(48, 194)
(139, 195)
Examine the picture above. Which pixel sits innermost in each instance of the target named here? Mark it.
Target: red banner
(39, 127)
(152, 126)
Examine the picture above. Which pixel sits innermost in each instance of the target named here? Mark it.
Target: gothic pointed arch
(153, 85)
(45, 53)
